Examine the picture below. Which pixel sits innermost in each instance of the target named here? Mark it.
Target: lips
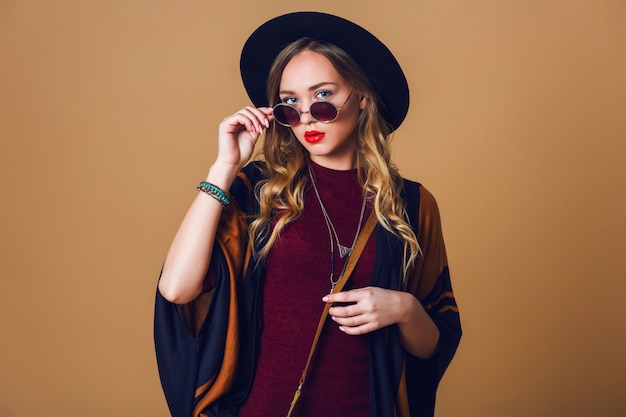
(313, 136)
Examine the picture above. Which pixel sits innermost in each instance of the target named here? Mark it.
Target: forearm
(418, 333)
(189, 255)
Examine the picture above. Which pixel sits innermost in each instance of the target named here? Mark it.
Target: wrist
(409, 305)
(222, 175)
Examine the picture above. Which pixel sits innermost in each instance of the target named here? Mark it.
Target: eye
(289, 100)
(323, 95)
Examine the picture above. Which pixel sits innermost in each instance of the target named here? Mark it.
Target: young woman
(240, 324)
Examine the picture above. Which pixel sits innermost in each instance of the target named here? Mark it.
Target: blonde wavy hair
(287, 160)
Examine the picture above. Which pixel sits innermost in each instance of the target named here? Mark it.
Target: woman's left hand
(369, 309)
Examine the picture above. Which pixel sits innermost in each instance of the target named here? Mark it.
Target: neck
(338, 164)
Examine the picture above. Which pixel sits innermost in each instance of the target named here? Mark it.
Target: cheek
(297, 132)
(349, 125)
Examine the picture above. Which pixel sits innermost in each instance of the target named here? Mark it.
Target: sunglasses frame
(300, 113)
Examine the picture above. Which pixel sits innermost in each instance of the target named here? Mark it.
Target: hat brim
(375, 58)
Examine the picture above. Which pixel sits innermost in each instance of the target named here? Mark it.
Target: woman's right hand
(190, 252)
(238, 134)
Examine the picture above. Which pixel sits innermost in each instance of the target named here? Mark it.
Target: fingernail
(267, 123)
(325, 298)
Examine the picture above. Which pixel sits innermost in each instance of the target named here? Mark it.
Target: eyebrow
(311, 88)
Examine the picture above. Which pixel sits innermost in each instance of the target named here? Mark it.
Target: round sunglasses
(323, 111)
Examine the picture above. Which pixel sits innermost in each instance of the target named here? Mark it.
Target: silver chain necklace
(343, 250)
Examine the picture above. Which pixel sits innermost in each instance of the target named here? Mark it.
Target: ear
(363, 102)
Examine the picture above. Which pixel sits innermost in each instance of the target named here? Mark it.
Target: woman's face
(310, 77)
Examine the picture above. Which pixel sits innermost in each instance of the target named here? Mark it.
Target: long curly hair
(287, 160)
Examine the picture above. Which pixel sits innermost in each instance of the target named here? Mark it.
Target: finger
(346, 310)
(350, 321)
(360, 324)
(358, 330)
(245, 119)
(351, 296)
(259, 116)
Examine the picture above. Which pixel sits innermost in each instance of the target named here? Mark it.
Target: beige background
(108, 117)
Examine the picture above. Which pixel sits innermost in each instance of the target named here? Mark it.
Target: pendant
(343, 250)
(332, 282)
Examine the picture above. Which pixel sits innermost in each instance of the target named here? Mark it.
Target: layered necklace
(332, 232)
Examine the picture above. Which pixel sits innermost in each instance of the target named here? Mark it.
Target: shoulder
(420, 202)
(249, 177)
(411, 191)
(254, 172)
(244, 186)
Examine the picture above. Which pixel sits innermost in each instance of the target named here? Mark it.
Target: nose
(305, 117)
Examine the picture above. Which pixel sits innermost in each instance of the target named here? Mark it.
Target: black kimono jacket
(207, 350)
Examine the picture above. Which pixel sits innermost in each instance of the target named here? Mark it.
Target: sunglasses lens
(323, 111)
(286, 115)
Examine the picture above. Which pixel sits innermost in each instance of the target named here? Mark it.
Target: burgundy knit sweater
(298, 270)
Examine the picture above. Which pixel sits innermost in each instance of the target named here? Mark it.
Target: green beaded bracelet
(214, 191)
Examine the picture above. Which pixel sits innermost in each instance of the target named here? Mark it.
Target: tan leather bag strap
(359, 245)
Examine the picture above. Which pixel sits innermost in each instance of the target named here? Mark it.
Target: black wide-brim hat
(375, 58)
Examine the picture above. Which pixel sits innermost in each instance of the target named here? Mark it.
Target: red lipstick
(313, 136)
